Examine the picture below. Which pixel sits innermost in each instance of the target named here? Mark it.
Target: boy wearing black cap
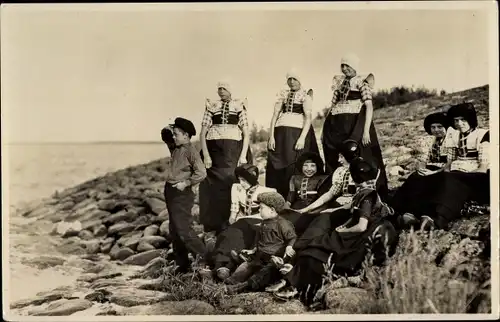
(186, 169)
(275, 239)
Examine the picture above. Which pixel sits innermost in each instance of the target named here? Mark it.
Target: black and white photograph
(277, 161)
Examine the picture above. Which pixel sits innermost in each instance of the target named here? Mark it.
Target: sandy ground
(37, 171)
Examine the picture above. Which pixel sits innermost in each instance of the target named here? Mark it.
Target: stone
(162, 216)
(144, 247)
(133, 297)
(100, 231)
(63, 307)
(187, 307)
(71, 248)
(85, 235)
(103, 283)
(155, 241)
(43, 262)
(164, 228)
(130, 237)
(107, 244)
(124, 253)
(144, 258)
(348, 300)
(93, 247)
(121, 228)
(91, 224)
(122, 215)
(100, 296)
(155, 205)
(95, 214)
(68, 229)
(151, 231)
(153, 268)
(260, 303)
(38, 300)
(89, 278)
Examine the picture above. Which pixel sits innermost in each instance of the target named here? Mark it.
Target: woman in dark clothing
(343, 246)
(290, 134)
(243, 221)
(351, 117)
(224, 144)
(465, 177)
(433, 159)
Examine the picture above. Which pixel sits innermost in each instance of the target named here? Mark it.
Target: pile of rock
(122, 214)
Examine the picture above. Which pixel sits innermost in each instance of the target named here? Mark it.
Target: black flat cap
(185, 125)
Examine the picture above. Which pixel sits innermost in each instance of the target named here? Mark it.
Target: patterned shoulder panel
(337, 81)
(300, 96)
(238, 105)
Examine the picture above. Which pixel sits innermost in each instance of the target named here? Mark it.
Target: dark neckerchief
(462, 142)
(249, 201)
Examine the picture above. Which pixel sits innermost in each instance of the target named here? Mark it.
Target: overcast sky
(115, 74)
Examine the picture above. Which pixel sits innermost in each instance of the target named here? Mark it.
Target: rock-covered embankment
(118, 226)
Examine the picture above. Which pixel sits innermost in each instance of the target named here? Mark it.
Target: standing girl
(225, 145)
(290, 134)
(351, 117)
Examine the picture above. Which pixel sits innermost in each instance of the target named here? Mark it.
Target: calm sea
(37, 171)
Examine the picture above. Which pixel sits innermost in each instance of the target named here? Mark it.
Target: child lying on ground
(275, 238)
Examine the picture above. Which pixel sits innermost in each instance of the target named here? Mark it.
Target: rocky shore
(114, 231)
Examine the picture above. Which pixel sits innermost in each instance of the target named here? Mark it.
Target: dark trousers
(184, 239)
(261, 271)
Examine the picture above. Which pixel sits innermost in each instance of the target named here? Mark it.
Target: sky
(76, 74)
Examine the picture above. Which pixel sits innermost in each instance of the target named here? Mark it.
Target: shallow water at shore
(37, 171)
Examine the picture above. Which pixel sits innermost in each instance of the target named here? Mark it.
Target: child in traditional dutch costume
(243, 221)
(342, 247)
(275, 238)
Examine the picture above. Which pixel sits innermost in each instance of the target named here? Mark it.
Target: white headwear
(293, 74)
(225, 85)
(352, 60)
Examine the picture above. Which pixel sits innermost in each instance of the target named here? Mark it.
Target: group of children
(276, 235)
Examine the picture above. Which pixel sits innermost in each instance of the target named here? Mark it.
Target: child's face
(348, 70)
(438, 130)
(461, 124)
(309, 168)
(245, 184)
(180, 137)
(267, 212)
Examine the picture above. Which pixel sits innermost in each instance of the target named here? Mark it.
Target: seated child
(366, 202)
(275, 238)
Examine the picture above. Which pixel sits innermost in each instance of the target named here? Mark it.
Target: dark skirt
(215, 190)
(347, 251)
(341, 127)
(300, 221)
(281, 162)
(441, 196)
(238, 236)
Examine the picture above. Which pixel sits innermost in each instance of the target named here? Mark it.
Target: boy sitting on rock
(275, 238)
(185, 170)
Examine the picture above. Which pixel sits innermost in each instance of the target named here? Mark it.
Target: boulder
(93, 246)
(144, 247)
(153, 268)
(187, 307)
(155, 241)
(128, 297)
(261, 303)
(348, 300)
(63, 307)
(121, 228)
(43, 262)
(155, 205)
(100, 231)
(164, 228)
(38, 300)
(85, 235)
(68, 229)
(151, 231)
(91, 224)
(144, 258)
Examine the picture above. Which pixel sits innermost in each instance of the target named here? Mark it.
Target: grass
(412, 282)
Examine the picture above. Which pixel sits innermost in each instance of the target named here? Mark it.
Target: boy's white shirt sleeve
(235, 197)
